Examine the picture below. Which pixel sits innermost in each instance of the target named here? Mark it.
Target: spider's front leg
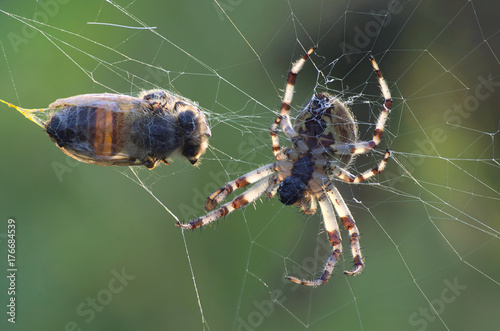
(284, 117)
(254, 176)
(366, 146)
(240, 201)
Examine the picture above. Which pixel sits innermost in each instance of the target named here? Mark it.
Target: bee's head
(195, 132)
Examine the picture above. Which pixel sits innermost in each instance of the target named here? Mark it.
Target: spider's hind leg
(346, 176)
(332, 230)
(350, 225)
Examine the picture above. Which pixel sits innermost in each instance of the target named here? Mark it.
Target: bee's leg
(153, 95)
(149, 163)
(157, 98)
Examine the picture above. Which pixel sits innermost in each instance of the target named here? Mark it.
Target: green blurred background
(430, 221)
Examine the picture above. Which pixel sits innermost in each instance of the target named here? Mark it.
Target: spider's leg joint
(214, 199)
(347, 221)
(309, 52)
(358, 267)
(188, 226)
(238, 202)
(334, 237)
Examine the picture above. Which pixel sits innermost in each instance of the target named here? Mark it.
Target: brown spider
(325, 142)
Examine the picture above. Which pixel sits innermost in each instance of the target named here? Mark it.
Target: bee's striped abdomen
(106, 134)
(88, 131)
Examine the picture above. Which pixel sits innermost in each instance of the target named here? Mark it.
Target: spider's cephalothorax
(324, 143)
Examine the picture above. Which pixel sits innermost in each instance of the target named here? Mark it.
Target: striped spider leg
(259, 176)
(332, 229)
(366, 146)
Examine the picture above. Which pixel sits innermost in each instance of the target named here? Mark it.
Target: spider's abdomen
(326, 120)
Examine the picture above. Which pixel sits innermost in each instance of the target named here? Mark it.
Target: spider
(325, 142)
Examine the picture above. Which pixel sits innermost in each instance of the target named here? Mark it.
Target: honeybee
(113, 129)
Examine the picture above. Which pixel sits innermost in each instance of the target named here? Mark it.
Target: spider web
(97, 247)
